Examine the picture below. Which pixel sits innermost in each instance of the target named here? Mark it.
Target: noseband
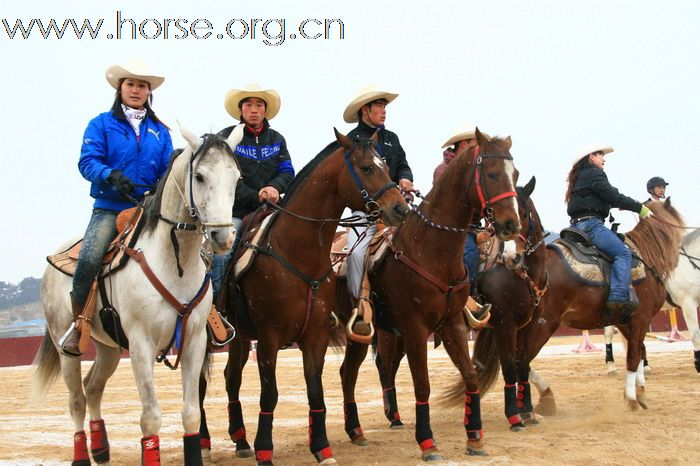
(486, 202)
(371, 204)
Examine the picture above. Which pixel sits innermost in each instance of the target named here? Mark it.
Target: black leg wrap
(609, 353)
(510, 395)
(391, 406)
(204, 431)
(263, 439)
(472, 415)
(318, 440)
(524, 397)
(236, 428)
(193, 453)
(697, 360)
(423, 431)
(352, 420)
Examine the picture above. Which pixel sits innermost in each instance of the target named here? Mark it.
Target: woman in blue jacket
(125, 152)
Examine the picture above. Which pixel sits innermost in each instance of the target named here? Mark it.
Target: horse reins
(486, 202)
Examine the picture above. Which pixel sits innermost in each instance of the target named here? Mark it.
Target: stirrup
(477, 322)
(64, 338)
(226, 327)
(363, 339)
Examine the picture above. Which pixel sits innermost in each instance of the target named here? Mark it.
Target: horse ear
(235, 137)
(530, 187)
(667, 202)
(189, 136)
(375, 137)
(508, 143)
(344, 141)
(481, 140)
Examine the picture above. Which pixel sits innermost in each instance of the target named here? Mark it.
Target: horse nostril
(400, 210)
(214, 234)
(510, 226)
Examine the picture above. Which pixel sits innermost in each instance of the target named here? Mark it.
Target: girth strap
(184, 310)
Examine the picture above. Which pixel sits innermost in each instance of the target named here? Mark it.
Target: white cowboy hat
(591, 148)
(462, 133)
(365, 96)
(270, 96)
(135, 69)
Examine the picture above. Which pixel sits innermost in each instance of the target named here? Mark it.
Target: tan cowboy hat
(591, 148)
(365, 96)
(270, 96)
(462, 133)
(135, 69)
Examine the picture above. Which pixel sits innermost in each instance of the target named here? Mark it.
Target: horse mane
(659, 237)
(151, 205)
(304, 173)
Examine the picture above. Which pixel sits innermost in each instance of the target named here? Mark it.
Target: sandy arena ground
(592, 425)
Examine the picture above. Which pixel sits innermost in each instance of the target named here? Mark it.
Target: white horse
(197, 192)
(683, 286)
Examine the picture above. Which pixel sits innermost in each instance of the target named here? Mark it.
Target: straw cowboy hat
(464, 132)
(270, 96)
(591, 148)
(135, 69)
(365, 96)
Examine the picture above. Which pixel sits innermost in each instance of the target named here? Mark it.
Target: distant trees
(26, 291)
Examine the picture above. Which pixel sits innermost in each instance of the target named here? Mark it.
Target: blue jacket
(110, 143)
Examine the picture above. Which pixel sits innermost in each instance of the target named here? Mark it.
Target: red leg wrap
(99, 444)
(80, 452)
(150, 451)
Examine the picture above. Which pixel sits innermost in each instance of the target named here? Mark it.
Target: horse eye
(492, 176)
(199, 178)
(366, 169)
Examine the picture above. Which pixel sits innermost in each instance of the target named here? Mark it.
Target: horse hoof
(612, 373)
(476, 452)
(244, 453)
(206, 454)
(396, 424)
(632, 405)
(519, 427)
(360, 440)
(547, 406)
(642, 398)
(431, 454)
(647, 370)
(329, 461)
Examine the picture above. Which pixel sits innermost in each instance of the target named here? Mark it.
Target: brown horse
(287, 295)
(568, 302)
(422, 286)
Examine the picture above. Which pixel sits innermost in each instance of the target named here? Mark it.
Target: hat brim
(235, 96)
(588, 150)
(350, 113)
(116, 73)
(463, 136)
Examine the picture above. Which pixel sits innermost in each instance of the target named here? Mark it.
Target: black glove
(123, 184)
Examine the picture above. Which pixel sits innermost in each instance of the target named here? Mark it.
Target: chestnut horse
(422, 287)
(287, 295)
(571, 303)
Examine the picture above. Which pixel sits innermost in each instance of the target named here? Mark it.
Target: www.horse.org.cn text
(270, 31)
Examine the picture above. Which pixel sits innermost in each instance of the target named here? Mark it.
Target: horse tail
(48, 366)
(486, 359)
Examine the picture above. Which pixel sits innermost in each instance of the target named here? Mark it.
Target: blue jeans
(100, 232)
(610, 244)
(471, 259)
(219, 264)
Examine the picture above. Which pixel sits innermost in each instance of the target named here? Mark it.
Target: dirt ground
(592, 425)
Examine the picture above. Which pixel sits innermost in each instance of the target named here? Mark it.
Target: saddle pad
(594, 274)
(127, 226)
(378, 246)
(259, 233)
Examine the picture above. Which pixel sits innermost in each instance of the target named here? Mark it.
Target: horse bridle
(371, 204)
(486, 202)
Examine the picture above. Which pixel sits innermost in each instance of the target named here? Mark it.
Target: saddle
(378, 247)
(587, 264)
(128, 229)
(256, 227)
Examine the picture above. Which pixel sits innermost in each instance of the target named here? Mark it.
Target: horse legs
(505, 336)
(609, 359)
(635, 366)
(142, 360)
(70, 369)
(547, 405)
(267, 363)
(390, 352)
(690, 314)
(313, 355)
(455, 337)
(192, 361)
(106, 362)
(354, 355)
(238, 351)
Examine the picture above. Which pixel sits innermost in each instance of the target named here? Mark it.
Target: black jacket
(593, 195)
(264, 161)
(389, 148)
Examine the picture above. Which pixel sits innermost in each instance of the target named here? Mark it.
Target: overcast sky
(554, 75)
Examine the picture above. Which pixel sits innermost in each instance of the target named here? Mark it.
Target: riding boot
(477, 310)
(364, 310)
(69, 347)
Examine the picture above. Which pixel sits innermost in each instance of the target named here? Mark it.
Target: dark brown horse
(569, 302)
(421, 287)
(287, 295)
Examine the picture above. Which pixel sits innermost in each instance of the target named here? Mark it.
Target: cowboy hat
(365, 96)
(135, 69)
(591, 148)
(235, 96)
(464, 132)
